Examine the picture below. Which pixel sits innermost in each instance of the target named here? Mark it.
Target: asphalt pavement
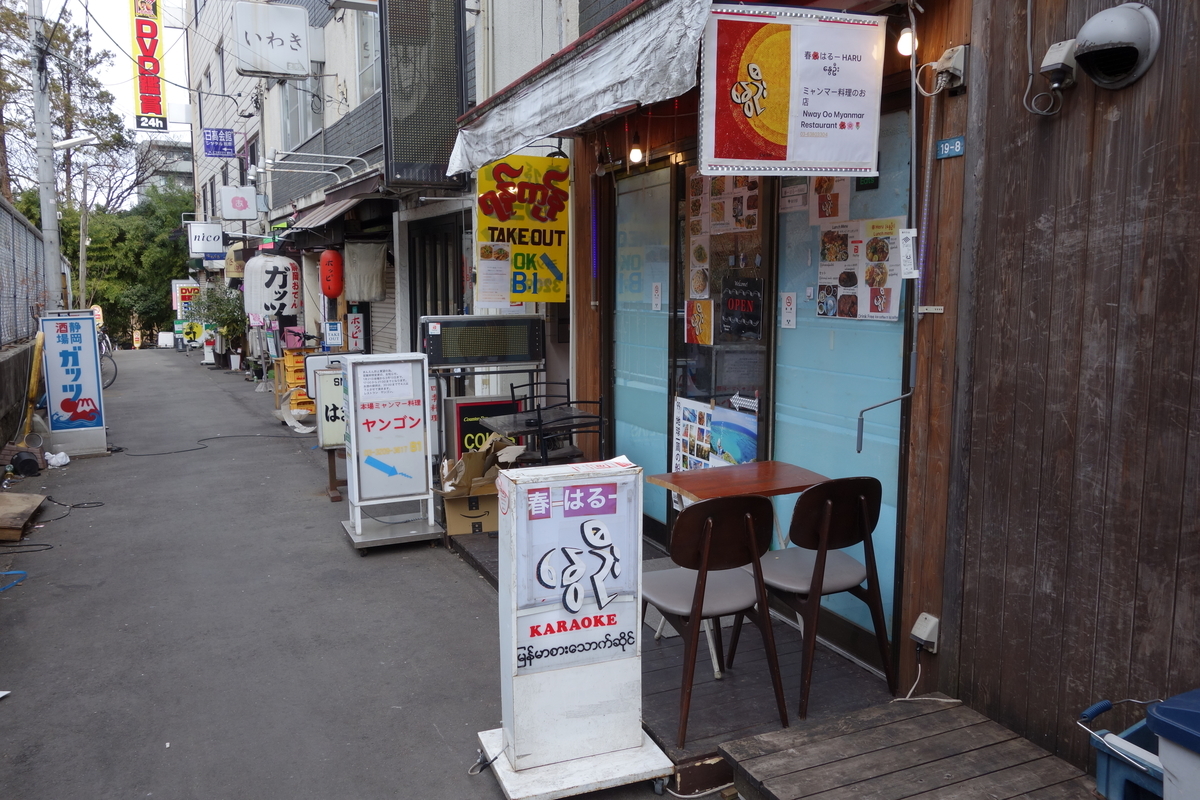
(208, 632)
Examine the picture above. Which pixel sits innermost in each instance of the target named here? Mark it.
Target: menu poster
(742, 307)
(829, 201)
(698, 328)
(859, 273)
(699, 271)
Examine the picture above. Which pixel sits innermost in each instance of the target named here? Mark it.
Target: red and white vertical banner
(355, 341)
(788, 91)
(149, 99)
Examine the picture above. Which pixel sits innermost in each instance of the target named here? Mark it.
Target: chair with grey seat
(711, 541)
(828, 518)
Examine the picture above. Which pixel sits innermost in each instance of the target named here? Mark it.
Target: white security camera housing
(1116, 47)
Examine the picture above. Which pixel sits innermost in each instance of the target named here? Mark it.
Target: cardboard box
(476, 513)
(469, 490)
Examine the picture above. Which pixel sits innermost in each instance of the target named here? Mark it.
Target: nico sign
(521, 212)
(205, 240)
(790, 92)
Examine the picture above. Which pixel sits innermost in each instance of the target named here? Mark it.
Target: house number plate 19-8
(951, 148)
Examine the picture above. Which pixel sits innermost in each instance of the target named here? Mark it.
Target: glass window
(303, 108)
(369, 78)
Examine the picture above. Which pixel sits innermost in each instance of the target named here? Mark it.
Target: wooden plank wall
(1071, 534)
(944, 25)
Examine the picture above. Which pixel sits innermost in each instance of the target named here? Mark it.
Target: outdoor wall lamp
(635, 150)
(906, 43)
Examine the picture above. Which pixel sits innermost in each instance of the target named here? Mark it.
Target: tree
(133, 256)
(80, 105)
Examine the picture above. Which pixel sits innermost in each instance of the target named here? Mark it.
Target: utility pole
(44, 136)
(83, 243)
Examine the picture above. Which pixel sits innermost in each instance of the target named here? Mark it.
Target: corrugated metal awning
(319, 215)
(644, 54)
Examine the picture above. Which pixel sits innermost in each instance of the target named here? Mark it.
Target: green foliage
(131, 260)
(224, 308)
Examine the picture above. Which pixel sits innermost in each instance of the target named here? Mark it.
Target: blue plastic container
(1116, 777)
(1177, 723)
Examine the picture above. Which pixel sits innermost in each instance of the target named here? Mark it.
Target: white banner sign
(271, 40)
(238, 202)
(790, 91)
(204, 240)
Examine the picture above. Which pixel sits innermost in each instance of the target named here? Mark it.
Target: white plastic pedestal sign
(387, 446)
(331, 416)
(74, 399)
(570, 646)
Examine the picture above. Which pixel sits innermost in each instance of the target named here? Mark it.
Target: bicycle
(108, 365)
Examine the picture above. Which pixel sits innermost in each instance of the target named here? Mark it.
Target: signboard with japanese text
(271, 41)
(218, 143)
(354, 332)
(74, 402)
(387, 426)
(522, 224)
(271, 286)
(570, 609)
(237, 202)
(790, 91)
(331, 414)
(183, 294)
(149, 100)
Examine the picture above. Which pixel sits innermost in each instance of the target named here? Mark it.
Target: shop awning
(646, 53)
(359, 186)
(319, 215)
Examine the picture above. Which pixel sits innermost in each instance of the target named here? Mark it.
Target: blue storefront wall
(827, 369)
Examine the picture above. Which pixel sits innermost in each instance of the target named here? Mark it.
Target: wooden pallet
(16, 510)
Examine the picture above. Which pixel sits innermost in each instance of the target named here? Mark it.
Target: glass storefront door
(640, 330)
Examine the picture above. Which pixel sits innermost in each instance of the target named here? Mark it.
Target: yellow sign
(150, 105)
(137, 340)
(98, 313)
(522, 226)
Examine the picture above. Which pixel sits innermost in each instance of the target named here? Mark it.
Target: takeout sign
(521, 213)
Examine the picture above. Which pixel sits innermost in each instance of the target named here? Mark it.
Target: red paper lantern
(331, 273)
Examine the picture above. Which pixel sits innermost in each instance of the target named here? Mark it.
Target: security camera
(1059, 65)
(1116, 47)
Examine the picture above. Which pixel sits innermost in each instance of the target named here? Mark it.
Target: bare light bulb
(635, 151)
(906, 43)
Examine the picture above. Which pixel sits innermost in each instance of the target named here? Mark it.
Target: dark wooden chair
(711, 541)
(828, 518)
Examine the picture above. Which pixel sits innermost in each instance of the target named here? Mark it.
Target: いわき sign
(523, 228)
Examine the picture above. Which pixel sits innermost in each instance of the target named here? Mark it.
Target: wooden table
(759, 477)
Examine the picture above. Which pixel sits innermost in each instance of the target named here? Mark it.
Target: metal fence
(22, 279)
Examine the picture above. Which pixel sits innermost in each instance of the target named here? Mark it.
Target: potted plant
(222, 307)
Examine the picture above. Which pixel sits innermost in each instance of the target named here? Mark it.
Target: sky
(115, 17)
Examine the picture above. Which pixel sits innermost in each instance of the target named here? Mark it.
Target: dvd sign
(149, 111)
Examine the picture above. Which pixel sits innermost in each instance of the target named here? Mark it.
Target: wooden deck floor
(924, 749)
